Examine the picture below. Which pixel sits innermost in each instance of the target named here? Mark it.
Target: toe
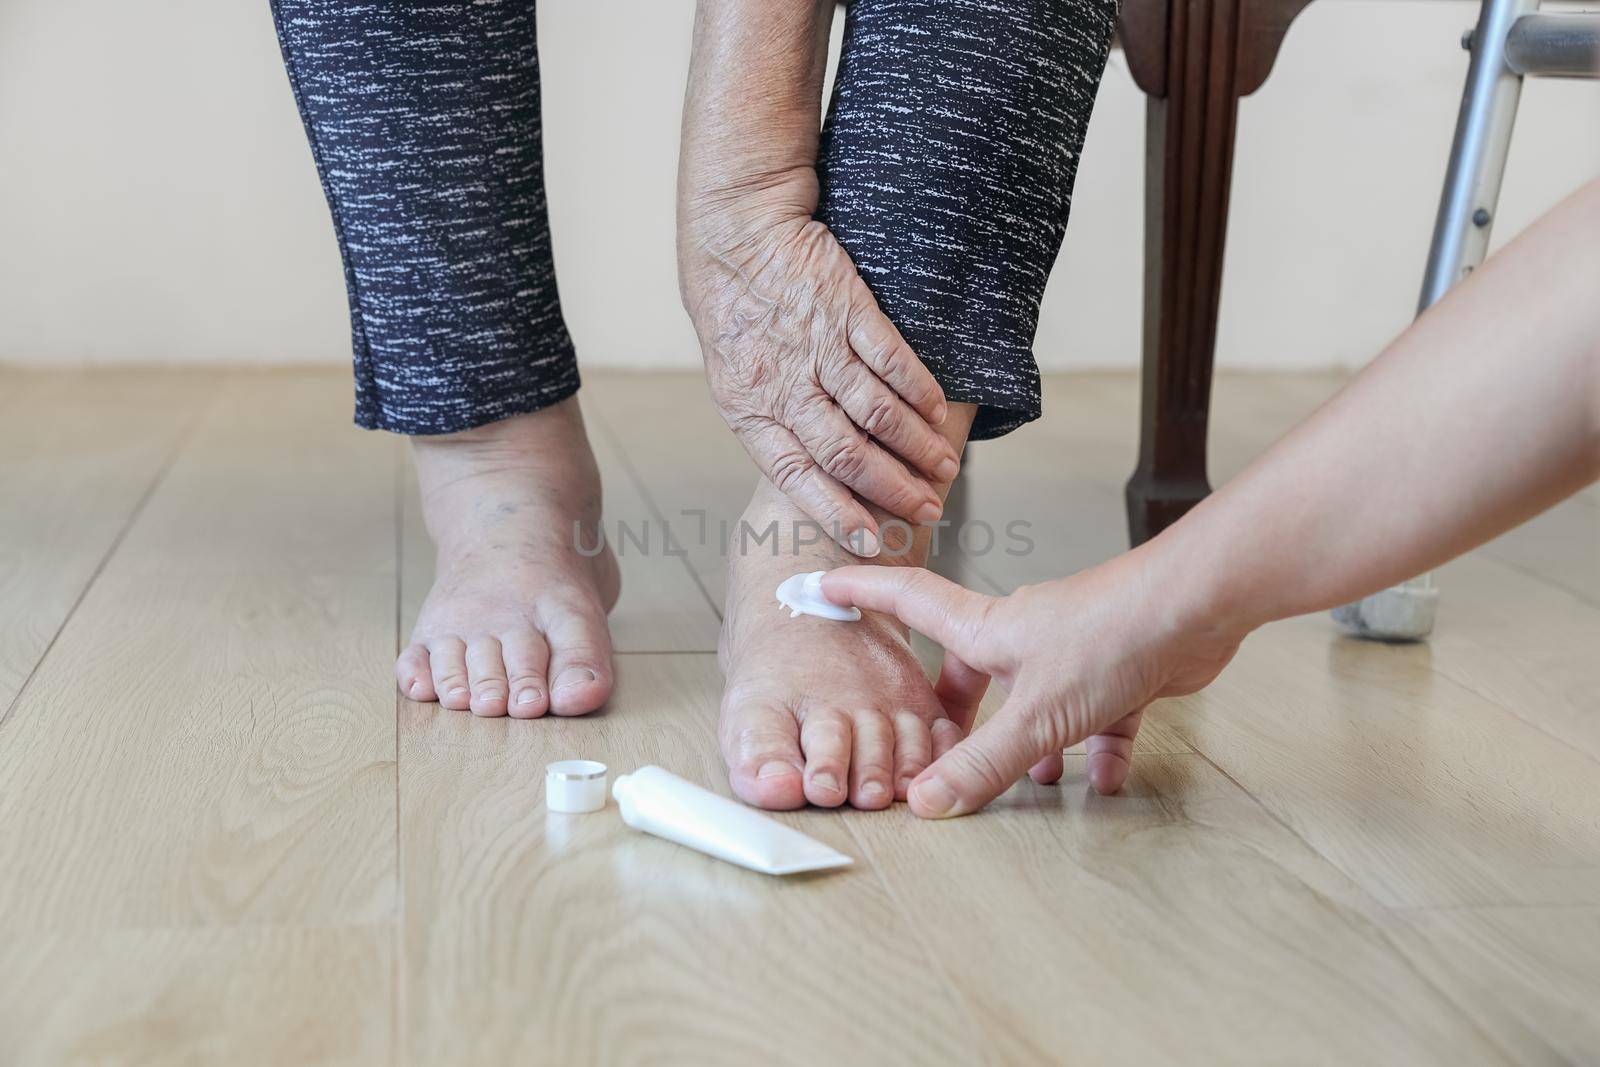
(447, 657)
(527, 660)
(946, 735)
(486, 677)
(580, 658)
(913, 750)
(871, 760)
(825, 740)
(413, 675)
(761, 744)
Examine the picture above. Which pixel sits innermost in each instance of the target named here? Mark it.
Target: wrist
(1194, 581)
(719, 217)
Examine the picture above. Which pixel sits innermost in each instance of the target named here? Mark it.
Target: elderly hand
(1079, 657)
(813, 378)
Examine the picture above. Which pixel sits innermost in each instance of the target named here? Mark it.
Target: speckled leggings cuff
(424, 122)
(947, 165)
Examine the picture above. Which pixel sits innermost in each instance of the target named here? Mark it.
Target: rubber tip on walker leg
(1399, 613)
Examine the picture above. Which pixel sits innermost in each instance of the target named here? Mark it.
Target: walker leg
(1405, 612)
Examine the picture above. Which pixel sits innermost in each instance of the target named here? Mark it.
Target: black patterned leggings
(947, 164)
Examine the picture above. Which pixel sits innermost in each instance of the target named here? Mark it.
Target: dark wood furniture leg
(1194, 59)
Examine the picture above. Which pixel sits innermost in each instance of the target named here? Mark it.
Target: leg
(1195, 60)
(815, 710)
(1180, 318)
(946, 172)
(1478, 154)
(424, 125)
(1188, 169)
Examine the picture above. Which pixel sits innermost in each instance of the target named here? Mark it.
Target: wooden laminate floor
(223, 839)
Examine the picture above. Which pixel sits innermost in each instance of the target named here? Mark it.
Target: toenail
(458, 691)
(575, 676)
(491, 694)
(528, 696)
(872, 790)
(934, 797)
(825, 782)
(774, 769)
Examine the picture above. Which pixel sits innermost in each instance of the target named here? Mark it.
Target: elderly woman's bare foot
(516, 619)
(815, 710)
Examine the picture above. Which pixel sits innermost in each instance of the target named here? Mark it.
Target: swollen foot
(516, 620)
(816, 709)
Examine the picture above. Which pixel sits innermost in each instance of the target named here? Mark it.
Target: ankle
(535, 431)
(773, 526)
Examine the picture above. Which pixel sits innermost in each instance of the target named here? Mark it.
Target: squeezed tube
(660, 803)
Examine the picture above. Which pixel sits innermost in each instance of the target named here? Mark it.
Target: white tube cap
(575, 785)
(802, 595)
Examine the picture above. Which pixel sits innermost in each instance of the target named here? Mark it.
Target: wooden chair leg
(1195, 59)
(1188, 163)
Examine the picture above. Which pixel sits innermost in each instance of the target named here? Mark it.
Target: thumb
(982, 767)
(929, 604)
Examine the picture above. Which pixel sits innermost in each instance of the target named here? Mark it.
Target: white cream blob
(802, 595)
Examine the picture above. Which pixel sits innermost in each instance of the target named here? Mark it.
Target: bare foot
(815, 710)
(516, 619)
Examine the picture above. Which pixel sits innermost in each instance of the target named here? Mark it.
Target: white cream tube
(659, 802)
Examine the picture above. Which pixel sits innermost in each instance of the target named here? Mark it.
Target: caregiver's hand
(1079, 657)
(1325, 516)
(810, 375)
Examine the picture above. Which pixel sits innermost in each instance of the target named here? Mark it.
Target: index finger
(938, 607)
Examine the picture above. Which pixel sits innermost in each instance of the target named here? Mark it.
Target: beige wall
(157, 202)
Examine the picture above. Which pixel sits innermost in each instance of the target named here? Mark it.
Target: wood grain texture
(1560, 547)
(78, 452)
(1530, 976)
(1420, 790)
(211, 738)
(174, 998)
(223, 839)
(687, 464)
(1527, 646)
(1174, 922)
(536, 937)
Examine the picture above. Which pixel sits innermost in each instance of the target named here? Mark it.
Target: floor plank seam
(1488, 554)
(397, 935)
(638, 481)
(1413, 908)
(1382, 934)
(1514, 714)
(168, 461)
(945, 978)
(1508, 905)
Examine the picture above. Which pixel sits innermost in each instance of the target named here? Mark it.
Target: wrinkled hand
(816, 382)
(1080, 658)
